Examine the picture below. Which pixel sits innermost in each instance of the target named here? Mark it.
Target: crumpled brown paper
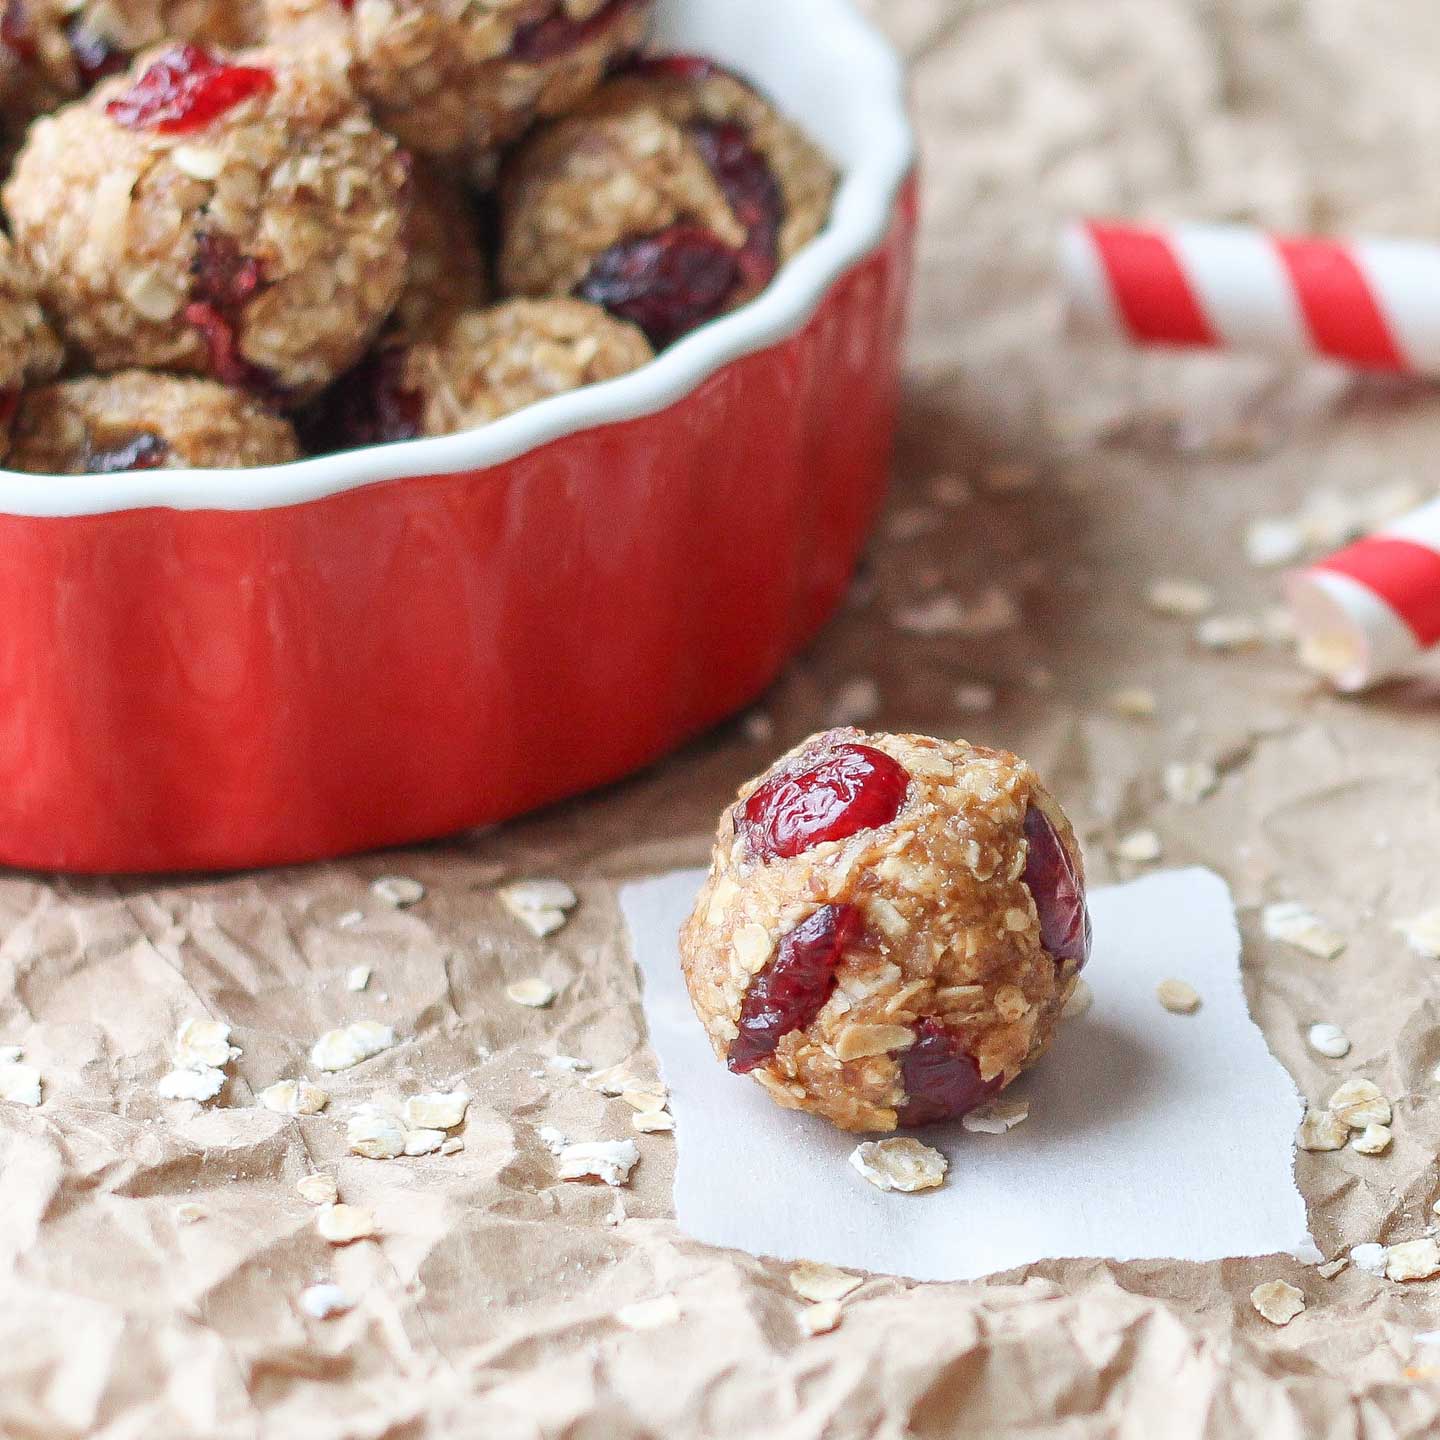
(488, 1306)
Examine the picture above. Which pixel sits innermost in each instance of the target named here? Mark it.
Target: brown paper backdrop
(487, 1308)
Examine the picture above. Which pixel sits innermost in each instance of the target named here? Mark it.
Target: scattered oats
(20, 1084)
(1422, 933)
(1274, 542)
(646, 1100)
(340, 1224)
(653, 1314)
(1010, 477)
(758, 728)
(974, 698)
(534, 992)
(949, 490)
(1370, 1258)
(567, 1063)
(899, 1164)
(910, 524)
(1134, 703)
(541, 906)
(1307, 1252)
(398, 890)
(820, 1319)
(318, 1189)
(617, 1079)
(1180, 599)
(294, 1097)
(1277, 1301)
(438, 1110)
(1331, 1268)
(1412, 1260)
(350, 919)
(1139, 846)
(811, 1280)
(996, 1117)
(1372, 1140)
(1229, 632)
(607, 1160)
(177, 1085)
(188, 1212)
(374, 1133)
(325, 1301)
(1359, 1103)
(1328, 1039)
(856, 701)
(452, 1146)
(1295, 925)
(1178, 997)
(9, 1054)
(423, 1142)
(1322, 1130)
(340, 1049)
(943, 614)
(204, 1045)
(1080, 999)
(1188, 782)
(552, 1139)
(357, 978)
(653, 1122)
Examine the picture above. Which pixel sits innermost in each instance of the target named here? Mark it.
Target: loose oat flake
(1278, 1301)
(375, 1133)
(1329, 1040)
(357, 978)
(1372, 1140)
(1322, 1130)
(1178, 997)
(324, 1301)
(996, 1117)
(1422, 933)
(294, 1097)
(1229, 632)
(437, 1110)
(423, 1142)
(1134, 703)
(1412, 1260)
(1370, 1258)
(811, 1280)
(974, 698)
(533, 992)
(607, 1160)
(20, 1084)
(186, 1084)
(1331, 1268)
(1359, 1103)
(655, 1122)
(821, 1318)
(900, 1164)
(1139, 847)
(398, 890)
(542, 906)
(1180, 599)
(1188, 782)
(348, 1046)
(188, 1212)
(318, 1189)
(1293, 924)
(342, 1224)
(202, 1044)
(653, 1314)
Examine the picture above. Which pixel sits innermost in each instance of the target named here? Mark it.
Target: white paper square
(1150, 1134)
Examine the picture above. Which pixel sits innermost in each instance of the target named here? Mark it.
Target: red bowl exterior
(220, 689)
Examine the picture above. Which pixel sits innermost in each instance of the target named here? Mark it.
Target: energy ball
(30, 353)
(670, 197)
(448, 271)
(52, 51)
(488, 363)
(241, 219)
(137, 420)
(448, 76)
(890, 928)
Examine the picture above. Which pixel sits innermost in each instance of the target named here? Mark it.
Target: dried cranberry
(667, 283)
(185, 89)
(556, 34)
(368, 406)
(1059, 893)
(679, 67)
(94, 56)
(941, 1079)
(750, 187)
(146, 451)
(9, 404)
(17, 33)
(221, 274)
(853, 788)
(793, 988)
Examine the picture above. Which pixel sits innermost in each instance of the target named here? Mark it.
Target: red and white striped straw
(1373, 304)
(1368, 611)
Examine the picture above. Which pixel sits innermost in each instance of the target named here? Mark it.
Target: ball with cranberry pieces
(235, 217)
(670, 197)
(456, 77)
(890, 928)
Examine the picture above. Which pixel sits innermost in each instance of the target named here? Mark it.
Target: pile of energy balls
(241, 231)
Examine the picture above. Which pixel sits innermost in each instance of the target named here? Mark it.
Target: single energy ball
(452, 76)
(486, 364)
(890, 928)
(236, 218)
(137, 420)
(670, 197)
(52, 51)
(30, 353)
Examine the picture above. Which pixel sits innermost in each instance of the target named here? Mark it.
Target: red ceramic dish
(221, 669)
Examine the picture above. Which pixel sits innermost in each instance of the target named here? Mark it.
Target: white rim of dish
(873, 84)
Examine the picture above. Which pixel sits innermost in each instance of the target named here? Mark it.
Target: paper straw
(1373, 304)
(1367, 612)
